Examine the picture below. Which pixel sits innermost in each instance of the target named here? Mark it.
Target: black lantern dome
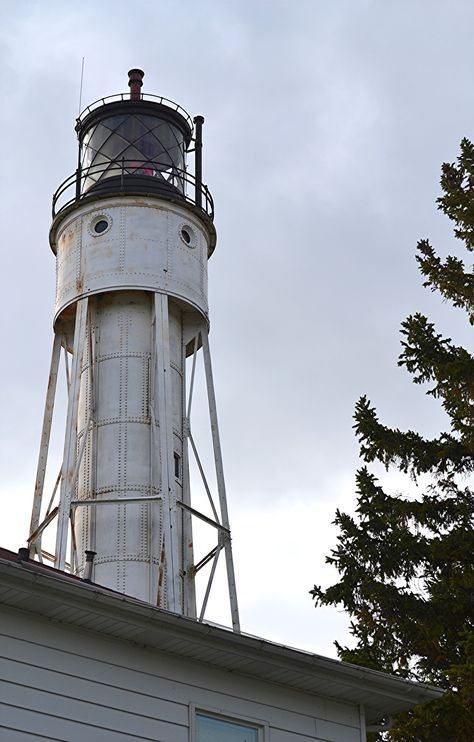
(134, 139)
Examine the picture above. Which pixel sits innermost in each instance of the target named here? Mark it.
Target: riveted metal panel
(142, 248)
(126, 537)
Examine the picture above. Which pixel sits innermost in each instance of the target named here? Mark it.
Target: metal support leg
(189, 588)
(220, 480)
(45, 436)
(163, 393)
(69, 458)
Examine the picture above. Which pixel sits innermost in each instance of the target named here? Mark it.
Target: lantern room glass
(133, 144)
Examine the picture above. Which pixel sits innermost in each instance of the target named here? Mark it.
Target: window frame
(226, 715)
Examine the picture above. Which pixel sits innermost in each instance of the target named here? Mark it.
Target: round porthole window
(187, 235)
(100, 225)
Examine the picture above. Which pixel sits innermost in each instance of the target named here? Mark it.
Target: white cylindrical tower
(132, 233)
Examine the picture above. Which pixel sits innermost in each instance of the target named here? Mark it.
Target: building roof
(47, 592)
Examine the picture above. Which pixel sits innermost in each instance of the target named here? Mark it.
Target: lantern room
(136, 138)
(136, 143)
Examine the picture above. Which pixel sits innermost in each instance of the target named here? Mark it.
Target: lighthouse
(107, 638)
(132, 233)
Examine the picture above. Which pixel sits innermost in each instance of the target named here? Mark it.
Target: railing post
(78, 183)
(198, 122)
(78, 171)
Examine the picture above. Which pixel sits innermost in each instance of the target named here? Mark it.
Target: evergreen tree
(406, 565)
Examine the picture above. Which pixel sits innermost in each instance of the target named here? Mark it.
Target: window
(177, 466)
(101, 226)
(188, 236)
(216, 729)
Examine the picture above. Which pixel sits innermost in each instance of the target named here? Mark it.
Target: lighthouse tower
(132, 233)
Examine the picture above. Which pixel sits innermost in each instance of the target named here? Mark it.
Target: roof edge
(141, 622)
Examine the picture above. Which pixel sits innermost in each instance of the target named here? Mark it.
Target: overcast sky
(326, 125)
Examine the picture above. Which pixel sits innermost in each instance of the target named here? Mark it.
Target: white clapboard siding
(325, 732)
(133, 666)
(59, 682)
(13, 735)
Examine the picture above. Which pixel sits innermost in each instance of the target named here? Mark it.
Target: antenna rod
(80, 87)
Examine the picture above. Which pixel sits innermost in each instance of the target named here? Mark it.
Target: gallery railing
(133, 176)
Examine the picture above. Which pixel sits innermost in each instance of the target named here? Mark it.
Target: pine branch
(429, 357)
(449, 278)
(408, 450)
(457, 182)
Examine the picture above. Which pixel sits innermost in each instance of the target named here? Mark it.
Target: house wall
(61, 683)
